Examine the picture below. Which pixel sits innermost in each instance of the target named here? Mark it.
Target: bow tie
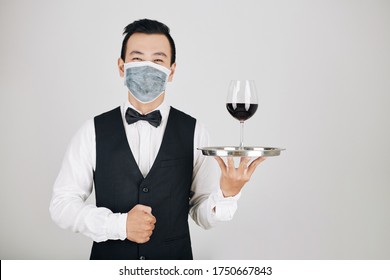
(154, 118)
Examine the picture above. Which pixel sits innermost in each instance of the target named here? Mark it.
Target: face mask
(146, 80)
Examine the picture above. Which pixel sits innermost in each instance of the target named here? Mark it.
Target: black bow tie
(154, 118)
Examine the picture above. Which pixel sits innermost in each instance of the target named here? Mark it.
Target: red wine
(240, 112)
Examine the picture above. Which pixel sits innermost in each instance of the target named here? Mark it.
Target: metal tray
(241, 152)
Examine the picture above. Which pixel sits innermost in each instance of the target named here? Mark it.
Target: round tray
(241, 152)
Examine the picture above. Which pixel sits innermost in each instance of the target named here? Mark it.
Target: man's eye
(158, 60)
(136, 59)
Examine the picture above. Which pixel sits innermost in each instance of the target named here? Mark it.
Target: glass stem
(242, 135)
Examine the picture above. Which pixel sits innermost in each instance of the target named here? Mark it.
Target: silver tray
(241, 152)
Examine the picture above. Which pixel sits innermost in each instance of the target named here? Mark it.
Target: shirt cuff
(116, 226)
(223, 208)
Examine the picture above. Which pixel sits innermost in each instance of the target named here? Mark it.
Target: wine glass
(242, 102)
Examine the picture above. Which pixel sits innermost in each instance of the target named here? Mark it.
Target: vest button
(145, 190)
(142, 258)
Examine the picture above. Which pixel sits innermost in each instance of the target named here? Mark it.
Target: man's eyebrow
(136, 52)
(160, 53)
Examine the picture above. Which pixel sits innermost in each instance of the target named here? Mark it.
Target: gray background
(322, 70)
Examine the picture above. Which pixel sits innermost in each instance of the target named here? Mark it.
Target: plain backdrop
(322, 70)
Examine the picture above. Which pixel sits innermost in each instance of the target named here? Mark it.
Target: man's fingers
(230, 163)
(140, 223)
(148, 227)
(243, 164)
(144, 208)
(150, 219)
(254, 164)
(144, 213)
(221, 163)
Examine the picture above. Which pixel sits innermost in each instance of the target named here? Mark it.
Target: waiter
(143, 160)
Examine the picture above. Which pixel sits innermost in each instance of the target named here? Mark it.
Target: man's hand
(140, 223)
(233, 179)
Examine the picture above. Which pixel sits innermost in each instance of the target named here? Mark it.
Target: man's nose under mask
(146, 80)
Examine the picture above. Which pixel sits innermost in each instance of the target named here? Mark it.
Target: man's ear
(173, 68)
(121, 67)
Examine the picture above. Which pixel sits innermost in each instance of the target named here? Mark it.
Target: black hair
(147, 26)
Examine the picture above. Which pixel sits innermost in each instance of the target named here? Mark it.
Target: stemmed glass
(242, 102)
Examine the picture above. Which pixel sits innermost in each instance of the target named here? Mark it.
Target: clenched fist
(140, 223)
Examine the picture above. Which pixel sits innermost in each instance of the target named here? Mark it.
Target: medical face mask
(146, 80)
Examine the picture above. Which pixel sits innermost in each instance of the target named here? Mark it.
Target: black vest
(119, 186)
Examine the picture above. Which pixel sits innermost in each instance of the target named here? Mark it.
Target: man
(143, 161)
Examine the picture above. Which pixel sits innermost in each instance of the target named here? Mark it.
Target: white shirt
(74, 183)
